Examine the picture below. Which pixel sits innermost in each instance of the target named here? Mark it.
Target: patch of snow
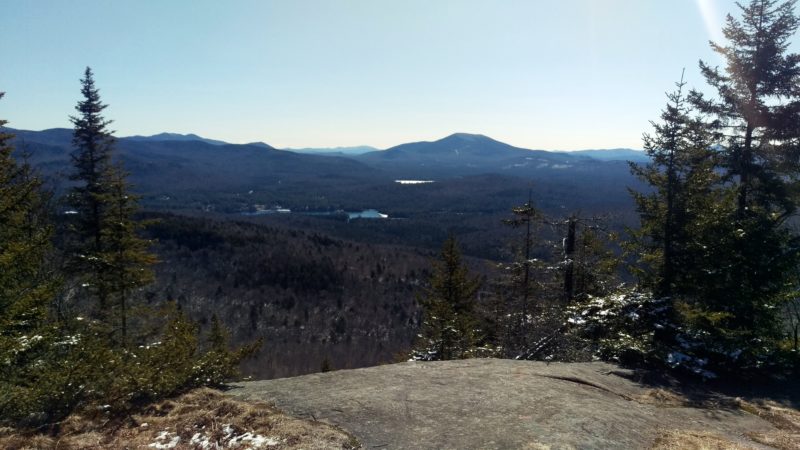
(254, 440)
(230, 439)
(69, 340)
(163, 440)
(200, 440)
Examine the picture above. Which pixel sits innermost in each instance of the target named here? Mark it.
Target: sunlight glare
(711, 20)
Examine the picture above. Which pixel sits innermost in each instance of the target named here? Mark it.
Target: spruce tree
(757, 109)
(594, 263)
(93, 145)
(525, 217)
(449, 328)
(127, 263)
(681, 173)
(24, 242)
(678, 217)
(27, 289)
(659, 209)
(758, 106)
(534, 287)
(109, 258)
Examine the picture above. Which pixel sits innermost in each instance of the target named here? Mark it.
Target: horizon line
(334, 148)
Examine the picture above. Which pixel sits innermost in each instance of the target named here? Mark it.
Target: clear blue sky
(556, 74)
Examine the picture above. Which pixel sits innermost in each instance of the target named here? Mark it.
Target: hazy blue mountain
(158, 165)
(466, 154)
(614, 154)
(334, 151)
(175, 137)
(52, 136)
(460, 148)
(471, 173)
(260, 144)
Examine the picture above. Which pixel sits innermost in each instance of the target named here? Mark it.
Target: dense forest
(311, 298)
(133, 270)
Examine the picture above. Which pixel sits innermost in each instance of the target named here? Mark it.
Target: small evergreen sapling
(449, 327)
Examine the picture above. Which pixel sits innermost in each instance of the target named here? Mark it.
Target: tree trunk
(569, 259)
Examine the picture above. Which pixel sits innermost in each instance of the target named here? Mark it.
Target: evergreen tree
(758, 106)
(48, 367)
(595, 264)
(681, 171)
(92, 160)
(525, 217)
(27, 288)
(109, 257)
(24, 242)
(127, 264)
(754, 253)
(533, 289)
(450, 321)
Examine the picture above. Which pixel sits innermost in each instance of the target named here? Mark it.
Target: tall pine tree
(110, 260)
(127, 263)
(677, 215)
(757, 108)
(686, 188)
(681, 173)
(522, 270)
(533, 290)
(93, 145)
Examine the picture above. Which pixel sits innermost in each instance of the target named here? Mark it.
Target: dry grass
(786, 436)
(203, 418)
(695, 440)
(540, 446)
(786, 420)
(662, 398)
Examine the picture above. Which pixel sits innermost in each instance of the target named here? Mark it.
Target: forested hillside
(476, 180)
(311, 298)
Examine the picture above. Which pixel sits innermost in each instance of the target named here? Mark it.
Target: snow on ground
(229, 439)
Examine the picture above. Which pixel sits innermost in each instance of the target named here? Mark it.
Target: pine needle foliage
(756, 109)
(450, 323)
(109, 261)
(102, 350)
(27, 286)
(92, 160)
(715, 246)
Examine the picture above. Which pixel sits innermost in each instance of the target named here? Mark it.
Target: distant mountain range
(175, 137)
(335, 151)
(470, 154)
(471, 172)
(473, 145)
(614, 154)
(172, 162)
